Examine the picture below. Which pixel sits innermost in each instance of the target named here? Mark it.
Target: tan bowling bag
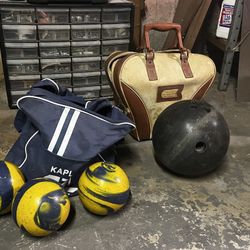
(144, 84)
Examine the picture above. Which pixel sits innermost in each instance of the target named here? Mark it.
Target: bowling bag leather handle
(150, 54)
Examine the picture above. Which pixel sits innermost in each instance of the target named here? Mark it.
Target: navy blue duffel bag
(61, 133)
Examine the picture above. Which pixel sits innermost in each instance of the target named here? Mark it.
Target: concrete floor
(166, 211)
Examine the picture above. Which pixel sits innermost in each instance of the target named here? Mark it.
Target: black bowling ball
(190, 138)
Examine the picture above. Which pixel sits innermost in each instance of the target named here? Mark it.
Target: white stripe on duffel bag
(68, 133)
(58, 129)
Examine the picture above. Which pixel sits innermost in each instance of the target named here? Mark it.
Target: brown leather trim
(107, 68)
(110, 58)
(118, 88)
(134, 132)
(150, 66)
(185, 64)
(162, 27)
(116, 77)
(169, 93)
(115, 57)
(186, 69)
(139, 112)
(201, 92)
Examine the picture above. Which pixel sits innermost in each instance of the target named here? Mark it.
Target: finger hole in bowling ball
(200, 147)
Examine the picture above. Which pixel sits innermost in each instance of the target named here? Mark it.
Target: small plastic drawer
(54, 50)
(16, 94)
(116, 15)
(87, 92)
(86, 64)
(86, 79)
(85, 15)
(115, 31)
(23, 82)
(110, 46)
(104, 58)
(63, 80)
(90, 48)
(23, 67)
(106, 91)
(17, 15)
(104, 79)
(86, 32)
(21, 50)
(19, 32)
(55, 66)
(54, 32)
(52, 16)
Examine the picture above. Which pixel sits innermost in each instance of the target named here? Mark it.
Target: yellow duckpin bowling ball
(11, 180)
(40, 207)
(103, 188)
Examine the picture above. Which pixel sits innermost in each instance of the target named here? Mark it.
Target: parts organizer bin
(17, 15)
(19, 32)
(85, 15)
(20, 85)
(52, 16)
(116, 15)
(86, 79)
(55, 66)
(53, 32)
(54, 50)
(118, 45)
(68, 43)
(21, 50)
(87, 48)
(86, 64)
(23, 67)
